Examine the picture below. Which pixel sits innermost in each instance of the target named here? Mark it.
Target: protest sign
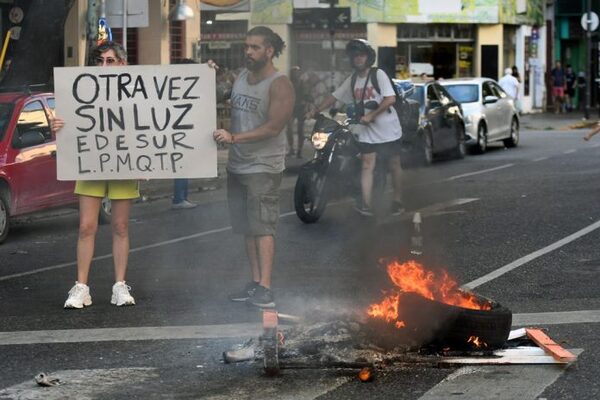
(136, 122)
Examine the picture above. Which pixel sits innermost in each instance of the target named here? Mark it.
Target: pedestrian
(593, 132)
(581, 82)
(571, 82)
(262, 102)
(510, 84)
(302, 98)
(557, 78)
(91, 193)
(180, 185)
(379, 131)
(515, 73)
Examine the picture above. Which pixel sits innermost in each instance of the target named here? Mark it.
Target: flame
(413, 277)
(475, 341)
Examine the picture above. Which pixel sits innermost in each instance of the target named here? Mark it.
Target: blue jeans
(180, 190)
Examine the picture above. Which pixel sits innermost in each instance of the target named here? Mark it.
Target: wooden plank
(506, 359)
(550, 346)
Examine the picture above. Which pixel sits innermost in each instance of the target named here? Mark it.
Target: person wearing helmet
(379, 131)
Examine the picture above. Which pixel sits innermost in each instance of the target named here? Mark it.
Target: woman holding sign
(91, 193)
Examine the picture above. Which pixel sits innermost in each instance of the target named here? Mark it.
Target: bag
(407, 114)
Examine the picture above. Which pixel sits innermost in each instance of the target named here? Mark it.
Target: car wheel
(4, 219)
(104, 217)
(481, 146)
(461, 148)
(513, 140)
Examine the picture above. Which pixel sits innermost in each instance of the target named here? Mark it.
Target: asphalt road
(510, 223)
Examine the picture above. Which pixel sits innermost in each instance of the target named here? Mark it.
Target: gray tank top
(249, 110)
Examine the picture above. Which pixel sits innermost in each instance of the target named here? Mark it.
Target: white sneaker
(79, 296)
(120, 295)
(184, 205)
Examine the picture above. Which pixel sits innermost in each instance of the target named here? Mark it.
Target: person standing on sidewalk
(262, 103)
(91, 193)
(559, 85)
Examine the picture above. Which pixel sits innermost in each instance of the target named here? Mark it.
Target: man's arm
(386, 103)
(327, 103)
(281, 106)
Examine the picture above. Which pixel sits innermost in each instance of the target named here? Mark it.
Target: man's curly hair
(270, 37)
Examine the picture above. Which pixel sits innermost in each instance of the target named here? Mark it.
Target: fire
(413, 277)
(475, 341)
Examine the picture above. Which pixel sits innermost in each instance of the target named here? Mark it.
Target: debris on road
(43, 379)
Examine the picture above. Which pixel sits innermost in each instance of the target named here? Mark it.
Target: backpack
(408, 113)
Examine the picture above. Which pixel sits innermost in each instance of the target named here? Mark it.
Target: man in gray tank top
(262, 101)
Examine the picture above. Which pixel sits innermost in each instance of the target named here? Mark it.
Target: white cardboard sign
(136, 122)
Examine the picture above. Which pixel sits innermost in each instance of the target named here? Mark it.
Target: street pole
(92, 28)
(588, 69)
(332, 42)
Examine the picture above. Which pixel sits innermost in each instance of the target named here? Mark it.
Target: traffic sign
(322, 18)
(593, 21)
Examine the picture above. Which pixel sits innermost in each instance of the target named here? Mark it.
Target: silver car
(490, 114)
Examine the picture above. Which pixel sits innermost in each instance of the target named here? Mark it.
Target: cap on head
(360, 46)
(508, 71)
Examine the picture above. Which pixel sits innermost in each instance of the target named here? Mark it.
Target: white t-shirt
(510, 84)
(386, 126)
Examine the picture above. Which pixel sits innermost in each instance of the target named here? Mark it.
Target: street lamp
(181, 12)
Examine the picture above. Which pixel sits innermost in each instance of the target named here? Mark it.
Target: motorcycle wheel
(310, 198)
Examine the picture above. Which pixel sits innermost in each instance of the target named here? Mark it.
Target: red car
(28, 158)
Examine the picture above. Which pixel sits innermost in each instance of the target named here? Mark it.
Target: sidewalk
(565, 121)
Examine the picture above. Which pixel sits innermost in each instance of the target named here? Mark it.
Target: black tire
(310, 197)
(461, 148)
(4, 218)
(513, 140)
(105, 215)
(482, 140)
(427, 148)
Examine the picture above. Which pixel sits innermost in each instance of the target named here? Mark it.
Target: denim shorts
(253, 203)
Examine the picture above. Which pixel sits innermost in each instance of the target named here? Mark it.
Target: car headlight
(319, 139)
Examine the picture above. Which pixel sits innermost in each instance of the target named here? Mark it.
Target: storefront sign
(136, 122)
(271, 12)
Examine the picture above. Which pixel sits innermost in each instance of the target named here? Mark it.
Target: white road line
(227, 331)
(557, 318)
(483, 171)
(495, 382)
(524, 260)
(569, 151)
(539, 159)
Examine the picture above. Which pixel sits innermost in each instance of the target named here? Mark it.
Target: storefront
(436, 50)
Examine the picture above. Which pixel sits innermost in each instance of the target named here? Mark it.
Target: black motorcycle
(334, 170)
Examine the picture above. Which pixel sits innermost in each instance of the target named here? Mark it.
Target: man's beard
(255, 65)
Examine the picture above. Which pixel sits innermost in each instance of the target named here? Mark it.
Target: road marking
(83, 384)
(240, 330)
(540, 159)
(495, 382)
(483, 171)
(524, 260)
(556, 318)
(569, 151)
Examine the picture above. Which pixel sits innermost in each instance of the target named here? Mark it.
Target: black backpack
(408, 113)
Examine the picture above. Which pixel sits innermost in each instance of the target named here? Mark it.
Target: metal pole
(588, 69)
(124, 25)
(332, 41)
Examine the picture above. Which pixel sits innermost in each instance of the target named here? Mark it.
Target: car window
(499, 91)
(486, 90)
(445, 98)
(464, 93)
(417, 94)
(32, 118)
(431, 94)
(6, 110)
(51, 103)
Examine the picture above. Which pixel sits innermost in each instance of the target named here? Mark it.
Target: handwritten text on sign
(136, 122)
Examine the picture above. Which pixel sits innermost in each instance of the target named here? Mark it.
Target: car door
(34, 167)
(434, 112)
(64, 189)
(451, 117)
(505, 104)
(491, 111)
